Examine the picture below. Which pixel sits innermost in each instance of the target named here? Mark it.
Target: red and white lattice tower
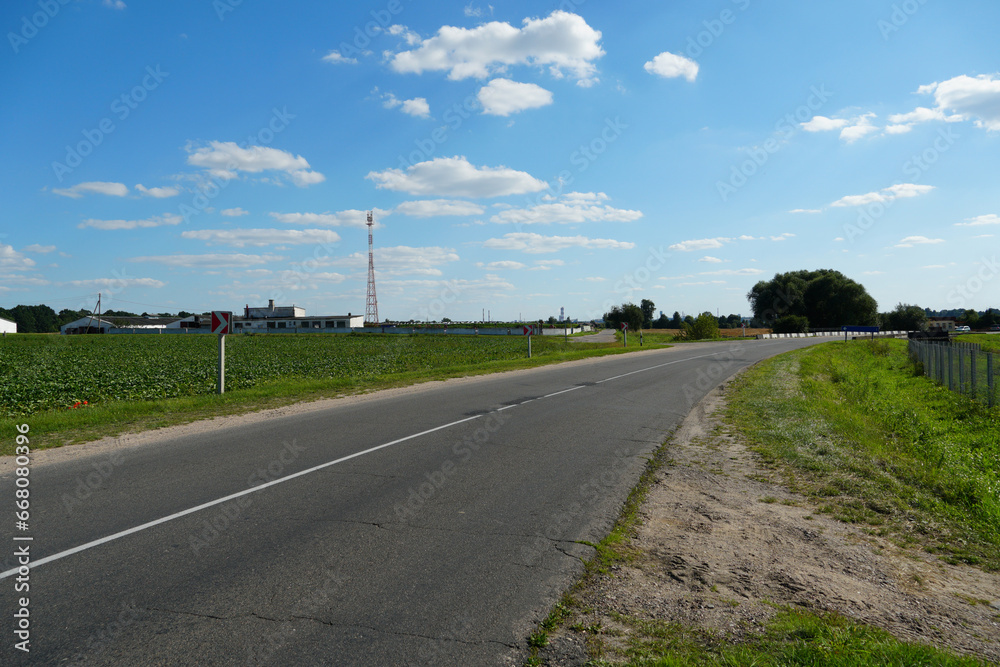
(371, 303)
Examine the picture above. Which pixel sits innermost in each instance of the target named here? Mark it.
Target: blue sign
(860, 329)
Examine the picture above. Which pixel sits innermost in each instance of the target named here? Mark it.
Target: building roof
(141, 321)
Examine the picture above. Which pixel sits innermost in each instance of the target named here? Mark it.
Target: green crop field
(45, 372)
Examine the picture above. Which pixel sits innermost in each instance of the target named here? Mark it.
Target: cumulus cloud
(699, 244)
(116, 284)
(400, 260)
(910, 241)
(967, 97)
(417, 106)
(562, 41)
(732, 272)
(95, 187)
(978, 221)
(899, 191)
(710, 259)
(574, 207)
(456, 177)
(336, 58)
(40, 249)
(858, 128)
(670, 66)
(158, 193)
(208, 260)
(502, 97)
(429, 208)
(224, 159)
(233, 212)
(12, 259)
(504, 265)
(155, 221)
(537, 244)
(348, 218)
(805, 210)
(261, 237)
(824, 124)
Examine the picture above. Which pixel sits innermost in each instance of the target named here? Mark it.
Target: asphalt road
(430, 527)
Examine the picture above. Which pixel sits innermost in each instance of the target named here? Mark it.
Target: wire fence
(961, 367)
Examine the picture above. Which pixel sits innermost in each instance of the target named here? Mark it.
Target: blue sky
(518, 157)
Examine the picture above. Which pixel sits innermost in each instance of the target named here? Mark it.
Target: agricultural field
(47, 372)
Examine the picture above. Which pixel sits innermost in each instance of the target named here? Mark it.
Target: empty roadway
(430, 526)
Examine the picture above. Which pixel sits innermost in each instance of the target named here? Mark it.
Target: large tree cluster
(825, 298)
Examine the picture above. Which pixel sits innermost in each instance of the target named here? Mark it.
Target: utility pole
(371, 302)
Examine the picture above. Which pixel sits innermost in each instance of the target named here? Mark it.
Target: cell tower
(371, 304)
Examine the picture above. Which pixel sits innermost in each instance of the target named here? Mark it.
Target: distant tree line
(42, 319)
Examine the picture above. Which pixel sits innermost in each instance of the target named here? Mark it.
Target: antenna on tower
(371, 303)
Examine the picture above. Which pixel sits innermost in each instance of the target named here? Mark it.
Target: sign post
(222, 322)
(625, 333)
(527, 332)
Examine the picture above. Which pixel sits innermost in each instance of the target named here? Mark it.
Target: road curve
(427, 527)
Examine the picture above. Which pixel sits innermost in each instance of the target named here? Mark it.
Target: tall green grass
(855, 427)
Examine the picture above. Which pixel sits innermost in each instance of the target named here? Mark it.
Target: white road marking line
(191, 510)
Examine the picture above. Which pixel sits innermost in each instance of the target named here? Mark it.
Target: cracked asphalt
(441, 549)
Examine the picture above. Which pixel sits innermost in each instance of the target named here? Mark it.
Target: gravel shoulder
(717, 549)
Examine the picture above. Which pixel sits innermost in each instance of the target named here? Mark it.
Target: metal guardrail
(961, 367)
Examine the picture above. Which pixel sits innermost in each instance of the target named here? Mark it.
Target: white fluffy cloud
(910, 241)
(502, 97)
(562, 41)
(348, 218)
(504, 265)
(978, 221)
(336, 58)
(711, 260)
(967, 97)
(699, 244)
(96, 187)
(224, 159)
(456, 177)
(261, 237)
(117, 284)
(417, 106)
(233, 212)
(158, 193)
(400, 260)
(208, 260)
(429, 208)
(155, 221)
(574, 207)
(899, 191)
(824, 124)
(537, 244)
(670, 66)
(12, 259)
(732, 272)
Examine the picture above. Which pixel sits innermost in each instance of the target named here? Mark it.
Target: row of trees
(42, 319)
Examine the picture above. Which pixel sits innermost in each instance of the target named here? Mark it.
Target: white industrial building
(6, 326)
(287, 319)
(118, 324)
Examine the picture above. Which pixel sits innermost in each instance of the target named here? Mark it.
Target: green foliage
(825, 297)
(706, 327)
(629, 313)
(878, 445)
(54, 372)
(791, 324)
(648, 308)
(904, 318)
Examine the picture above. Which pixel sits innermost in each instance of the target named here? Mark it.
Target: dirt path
(716, 544)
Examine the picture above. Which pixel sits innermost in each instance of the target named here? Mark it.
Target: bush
(705, 327)
(791, 324)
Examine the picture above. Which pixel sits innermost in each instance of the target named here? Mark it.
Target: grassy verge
(987, 342)
(852, 426)
(103, 418)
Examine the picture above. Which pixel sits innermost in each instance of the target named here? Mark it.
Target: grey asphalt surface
(441, 549)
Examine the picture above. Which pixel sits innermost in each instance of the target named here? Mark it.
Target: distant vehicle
(962, 329)
(995, 327)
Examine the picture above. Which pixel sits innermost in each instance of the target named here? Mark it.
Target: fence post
(975, 361)
(961, 369)
(989, 378)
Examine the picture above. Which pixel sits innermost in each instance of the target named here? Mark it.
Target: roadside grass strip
(855, 428)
